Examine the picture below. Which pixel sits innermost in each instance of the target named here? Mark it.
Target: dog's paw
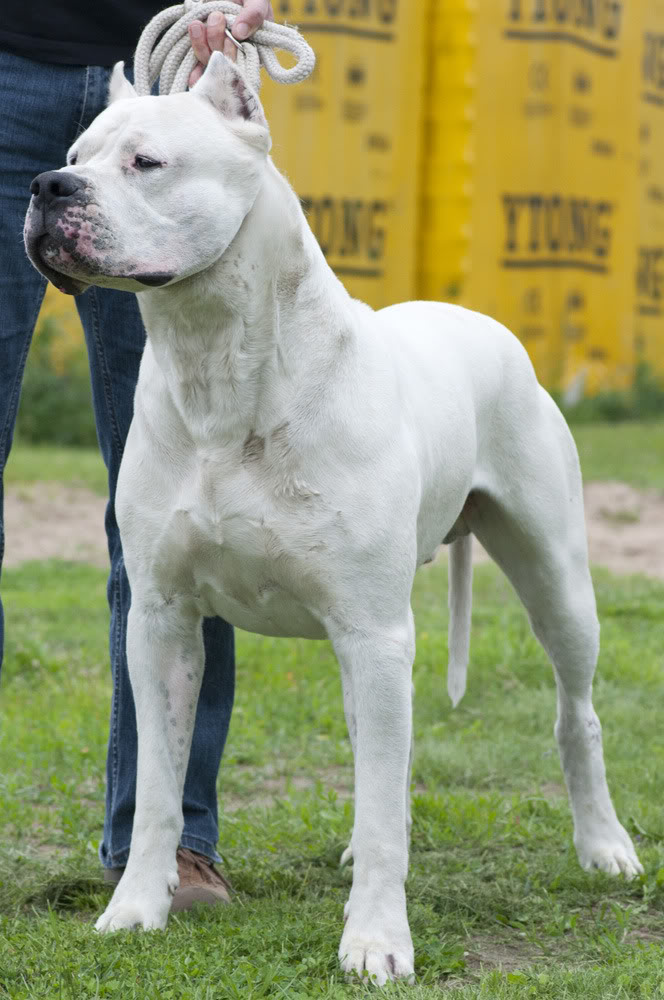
(127, 915)
(139, 902)
(375, 960)
(611, 851)
(376, 942)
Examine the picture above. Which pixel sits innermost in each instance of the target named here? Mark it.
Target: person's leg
(39, 106)
(115, 339)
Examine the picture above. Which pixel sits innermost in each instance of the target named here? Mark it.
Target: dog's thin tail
(460, 599)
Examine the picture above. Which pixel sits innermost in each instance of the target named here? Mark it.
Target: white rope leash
(172, 58)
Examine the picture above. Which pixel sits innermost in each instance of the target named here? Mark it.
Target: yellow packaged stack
(553, 211)
(649, 270)
(506, 155)
(448, 149)
(349, 138)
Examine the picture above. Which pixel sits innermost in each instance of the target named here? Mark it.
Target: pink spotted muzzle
(49, 242)
(68, 240)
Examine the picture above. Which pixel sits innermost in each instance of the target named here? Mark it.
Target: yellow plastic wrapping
(349, 137)
(507, 154)
(554, 185)
(450, 111)
(649, 270)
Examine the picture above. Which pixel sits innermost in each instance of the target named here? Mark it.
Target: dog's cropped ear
(119, 87)
(223, 85)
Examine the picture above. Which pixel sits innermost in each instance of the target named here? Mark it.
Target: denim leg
(43, 109)
(33, 137)
(115, 339)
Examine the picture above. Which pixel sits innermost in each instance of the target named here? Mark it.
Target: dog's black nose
(54, 184)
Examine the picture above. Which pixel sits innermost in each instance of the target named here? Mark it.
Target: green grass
(494, 880)
(30, 463)
(632, 452)
(493, 876)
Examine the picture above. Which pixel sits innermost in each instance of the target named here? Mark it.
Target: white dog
(294, 457)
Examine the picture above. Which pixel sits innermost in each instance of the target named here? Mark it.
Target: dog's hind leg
(533, 527)
(166, 660)
(376, 938)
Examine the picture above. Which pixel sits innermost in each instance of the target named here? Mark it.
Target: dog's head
(155, 190)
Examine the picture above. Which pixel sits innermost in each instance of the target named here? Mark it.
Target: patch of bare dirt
(267, 790)
(503, 950)
(551, 790)
(267, 786)
(624, 527)
(52, 521)
(506, 952)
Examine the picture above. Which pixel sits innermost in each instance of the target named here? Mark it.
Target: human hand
(210, 36)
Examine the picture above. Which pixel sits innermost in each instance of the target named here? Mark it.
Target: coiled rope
(172, 58)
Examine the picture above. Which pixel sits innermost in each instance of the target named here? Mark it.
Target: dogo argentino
(294, 457)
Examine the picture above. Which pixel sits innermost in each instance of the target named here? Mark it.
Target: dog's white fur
(294, 457)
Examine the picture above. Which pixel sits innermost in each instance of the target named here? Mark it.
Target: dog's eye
(72, 159)
(145, 162)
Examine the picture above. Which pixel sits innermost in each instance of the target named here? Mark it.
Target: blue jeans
(43, 107)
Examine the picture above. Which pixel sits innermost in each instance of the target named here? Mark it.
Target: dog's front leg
(376, 939)
(349, 712)
(165, 657)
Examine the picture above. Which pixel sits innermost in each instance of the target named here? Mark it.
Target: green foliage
(56, 407)
(644, 400)
(631, 452)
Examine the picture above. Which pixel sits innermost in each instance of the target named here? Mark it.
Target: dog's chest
(245, 538)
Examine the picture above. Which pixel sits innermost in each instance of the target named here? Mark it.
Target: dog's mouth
(59, 258)
(45, 253)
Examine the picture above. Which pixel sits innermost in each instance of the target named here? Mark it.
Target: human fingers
(251, 17)
(207, 38)
(217, 38)
(198, 39)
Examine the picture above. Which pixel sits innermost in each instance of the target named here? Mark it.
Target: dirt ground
(51, 521)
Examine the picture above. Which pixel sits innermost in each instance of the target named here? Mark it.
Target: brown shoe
(200, 882)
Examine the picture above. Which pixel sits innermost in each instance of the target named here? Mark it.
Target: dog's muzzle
(62, 235)
(53, 192)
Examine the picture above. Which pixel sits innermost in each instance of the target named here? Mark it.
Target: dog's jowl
(294, 457)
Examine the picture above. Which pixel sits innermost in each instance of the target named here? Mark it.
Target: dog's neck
(237, 342)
